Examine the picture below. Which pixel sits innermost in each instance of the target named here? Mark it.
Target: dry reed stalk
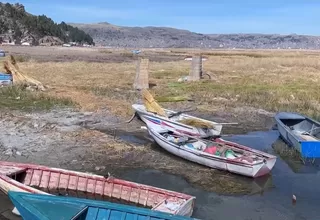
(151, 104)
(197, 123)
(18, 77)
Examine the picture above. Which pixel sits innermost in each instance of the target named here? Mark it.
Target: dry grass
(272, 80)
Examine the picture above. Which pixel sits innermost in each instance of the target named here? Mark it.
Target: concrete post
(196, 68)
(142, 75)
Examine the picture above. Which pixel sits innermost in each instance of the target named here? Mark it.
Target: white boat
(171, 122)
(217, 153)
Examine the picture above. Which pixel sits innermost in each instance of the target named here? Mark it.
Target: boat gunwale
(167, 193)
(144, 112)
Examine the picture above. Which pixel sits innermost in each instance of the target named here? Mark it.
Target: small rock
(35, 125)
(100, 168)
(18, 153)
(87, 113)
(8, 152)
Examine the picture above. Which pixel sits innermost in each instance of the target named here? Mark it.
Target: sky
(202, 16)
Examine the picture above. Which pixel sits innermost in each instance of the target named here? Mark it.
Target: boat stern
(264, 168)
(310, 149)
(187, 208)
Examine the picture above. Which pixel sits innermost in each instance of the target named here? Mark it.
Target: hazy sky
(205, 16)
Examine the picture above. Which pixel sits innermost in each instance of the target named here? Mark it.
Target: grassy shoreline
(18, 98)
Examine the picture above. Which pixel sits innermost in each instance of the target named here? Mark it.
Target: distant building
(190, 58)
(25, 44)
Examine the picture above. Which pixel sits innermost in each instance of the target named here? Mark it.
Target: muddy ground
(65, 54)
(91, 140)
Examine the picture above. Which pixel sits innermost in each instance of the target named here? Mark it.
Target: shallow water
(271, 197)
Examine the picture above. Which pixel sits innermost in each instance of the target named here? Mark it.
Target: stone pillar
(142, 75)
(196, 68)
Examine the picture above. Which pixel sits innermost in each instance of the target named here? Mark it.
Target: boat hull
(44, 207)
(46, 180)
(291, 127)
(159, 123)
(238, 167)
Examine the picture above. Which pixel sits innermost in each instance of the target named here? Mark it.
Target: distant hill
(107, 34)
(16, 25)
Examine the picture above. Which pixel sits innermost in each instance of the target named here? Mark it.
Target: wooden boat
(300, 132)
(45, 180)
(48, 207)
(216, 153)
(172, 122)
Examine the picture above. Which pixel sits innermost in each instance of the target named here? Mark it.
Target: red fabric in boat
(211, 150)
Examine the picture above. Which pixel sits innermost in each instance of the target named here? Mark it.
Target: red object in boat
(211, 150)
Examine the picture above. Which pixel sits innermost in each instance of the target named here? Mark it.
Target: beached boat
(45, 180)
(300, 132)
(48, 207)
(216, 153)
(174, 120)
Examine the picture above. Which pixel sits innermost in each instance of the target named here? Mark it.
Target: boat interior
(303, 128)
(211, 147)
(88, 213)
(40, 179)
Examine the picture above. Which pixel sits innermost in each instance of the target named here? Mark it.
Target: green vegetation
(39, 25)
(17, 98)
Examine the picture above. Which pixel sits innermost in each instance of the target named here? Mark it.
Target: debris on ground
(183, 79)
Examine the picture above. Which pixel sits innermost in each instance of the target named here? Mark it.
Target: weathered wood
(45, 180)
(142, 75)
(196, 68)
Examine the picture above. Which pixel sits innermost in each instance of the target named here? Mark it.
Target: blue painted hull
(294, 130)
(4, 76)
(48, 207)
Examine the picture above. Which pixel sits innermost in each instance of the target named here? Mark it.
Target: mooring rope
(130, 120)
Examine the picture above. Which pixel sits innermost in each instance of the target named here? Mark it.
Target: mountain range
(18, 25)
(107, 34)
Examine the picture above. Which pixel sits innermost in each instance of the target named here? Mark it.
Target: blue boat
(300, 132)
(5, 79)
(4, 76)
(48, 207)
(2, 53)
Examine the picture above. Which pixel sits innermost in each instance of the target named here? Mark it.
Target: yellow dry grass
(271, 80)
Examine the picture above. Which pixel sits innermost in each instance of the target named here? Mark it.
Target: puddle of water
(131, 137)
(271, 196)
